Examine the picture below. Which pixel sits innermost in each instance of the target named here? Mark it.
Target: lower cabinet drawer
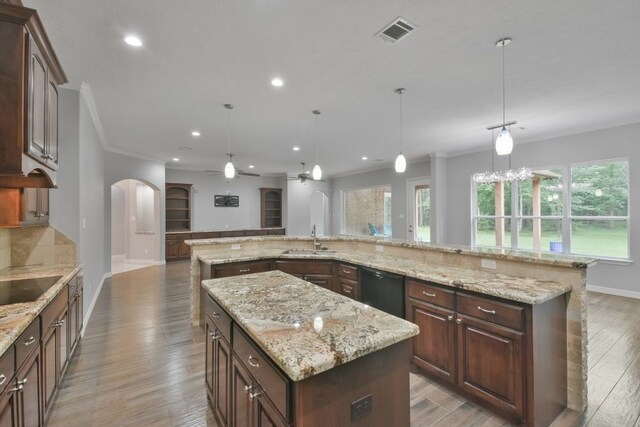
(50, 313)
(28, 341)
(492, 311)
(323, 280)
(274, 384)
(347, 271)
(348, 288)
(219, 317)
(242, 268)
(431, 294)
(7, 367)
(305, 267)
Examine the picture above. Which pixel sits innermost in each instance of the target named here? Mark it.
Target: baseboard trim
(140, 261)
(613, 291)
(163, 262)
(87, 317)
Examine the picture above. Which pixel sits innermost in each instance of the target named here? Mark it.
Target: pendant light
(504, 142)
(229, 169)
(401, 162)
(316, 173)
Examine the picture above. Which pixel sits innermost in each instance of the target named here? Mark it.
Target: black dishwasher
(384, 291)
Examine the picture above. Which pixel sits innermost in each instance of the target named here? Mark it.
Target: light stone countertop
(544, 258)
(305, 329)
(525, 290)
(15, 318)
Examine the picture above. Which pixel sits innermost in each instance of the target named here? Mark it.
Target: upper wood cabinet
(271, 207)
(29, 77)
(178, 207)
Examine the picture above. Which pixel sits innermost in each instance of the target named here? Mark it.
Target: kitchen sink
(25, 290)
(308, 252)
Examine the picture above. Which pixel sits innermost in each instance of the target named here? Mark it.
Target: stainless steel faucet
(316, 244)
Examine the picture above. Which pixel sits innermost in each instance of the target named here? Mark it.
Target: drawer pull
(3, 378)
(346, 291)
(245, 270)
(256, 364)
(215, 315)
(248, 388)
(253, 395)
(214, 336)
(19, 388)
(30, 341)
(450, 318)
(484, 310)
(59, 323)
(346, 271)
(428, 294)
(459, 321)
(22, 382)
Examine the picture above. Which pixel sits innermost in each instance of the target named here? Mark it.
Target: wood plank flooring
(141, 363)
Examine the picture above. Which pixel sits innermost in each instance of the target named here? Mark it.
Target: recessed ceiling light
(133, 40)
(365, 158)
(175, 159)
(185, 148)
(277, 82)
(296, 148)
(195, 133)
(251, 166)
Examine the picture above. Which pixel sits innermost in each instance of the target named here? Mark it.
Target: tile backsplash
(43, 245)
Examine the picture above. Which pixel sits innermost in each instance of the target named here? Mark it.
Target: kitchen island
(285, 351)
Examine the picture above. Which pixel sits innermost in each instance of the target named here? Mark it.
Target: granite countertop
(544, 258)
(525, 290)
(15, 318)
(304, 328)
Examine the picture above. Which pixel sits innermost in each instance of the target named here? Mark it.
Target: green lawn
(585, 241)
(424, 233)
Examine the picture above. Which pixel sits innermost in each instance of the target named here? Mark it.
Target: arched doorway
(135, 225)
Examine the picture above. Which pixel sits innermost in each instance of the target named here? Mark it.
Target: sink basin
(308, 252)
(25, 290)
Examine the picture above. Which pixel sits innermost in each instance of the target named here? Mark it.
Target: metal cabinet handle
(459, 321)
(214, 336)
(23, 382)
(256, 364)
(30, 341)
(346, 271)
(59, 323)
(254, 395)
(428, 294)
(450, 318)
(484, 310)
(346, 291)
(215, 315)
(19, 388)
(3, 378)
(248, 388)
(245, 270)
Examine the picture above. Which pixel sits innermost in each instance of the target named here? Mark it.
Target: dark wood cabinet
(178, 207)
(491, 364)
(9, 408)
(241, 402)
(28, 381)
(348, 288)
(218, 373)
(270, 207)
(317, 272)
(433, 349)
(240, 268)
(35, 206)
(75, 315)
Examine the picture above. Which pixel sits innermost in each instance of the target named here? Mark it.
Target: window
(582, 210)
(422, 215)
(367, 211)
(600, 209)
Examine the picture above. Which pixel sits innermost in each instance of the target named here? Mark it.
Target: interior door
(419, 210)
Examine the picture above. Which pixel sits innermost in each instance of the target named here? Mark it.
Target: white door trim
(410, 208)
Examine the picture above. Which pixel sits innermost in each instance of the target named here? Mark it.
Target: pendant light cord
(401, 135)
(229, 131)
(504, 108)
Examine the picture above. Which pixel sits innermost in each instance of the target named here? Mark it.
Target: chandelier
(487, 177)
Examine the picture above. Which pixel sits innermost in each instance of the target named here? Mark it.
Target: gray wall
(599, 145)
(205, 216)
(118, 220)
(387, 176)
(299, 205)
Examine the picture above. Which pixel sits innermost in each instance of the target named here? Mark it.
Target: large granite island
(293, 352)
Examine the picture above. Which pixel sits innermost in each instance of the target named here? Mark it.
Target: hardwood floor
(141, 363)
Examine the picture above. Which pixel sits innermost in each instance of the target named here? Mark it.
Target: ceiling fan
(238, 172)
(304, 176)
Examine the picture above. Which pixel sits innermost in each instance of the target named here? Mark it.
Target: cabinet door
(29, 405)
(52, 125)
(491, 364)
(172, 249)
(9, 407)
(185, 250)
(266, 415)
(63, 344)
(222, 380)
(209, 354)
(241, 403)
(434, 348)
(49, 365)
(320, 280)
(37, 104)
(72, 326)
(80, 322)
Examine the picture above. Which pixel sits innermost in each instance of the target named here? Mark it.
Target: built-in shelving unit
(270, 207)
(178, 207)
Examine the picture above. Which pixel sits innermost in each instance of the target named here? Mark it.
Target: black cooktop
(25, 290)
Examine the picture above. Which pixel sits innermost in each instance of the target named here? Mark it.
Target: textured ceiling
(573, 66)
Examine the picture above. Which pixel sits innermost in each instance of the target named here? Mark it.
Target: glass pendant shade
(401, 163)
(229, 170)
(504, 143)
(316, 173)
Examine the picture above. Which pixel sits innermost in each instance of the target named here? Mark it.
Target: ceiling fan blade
(248, 174)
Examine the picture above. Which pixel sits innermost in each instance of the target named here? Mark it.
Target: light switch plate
(235, 247)
(488, 263)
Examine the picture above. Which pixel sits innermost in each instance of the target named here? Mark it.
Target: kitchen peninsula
(337, 361)
(528, 310)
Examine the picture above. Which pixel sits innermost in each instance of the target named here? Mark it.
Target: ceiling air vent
(396, 30)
